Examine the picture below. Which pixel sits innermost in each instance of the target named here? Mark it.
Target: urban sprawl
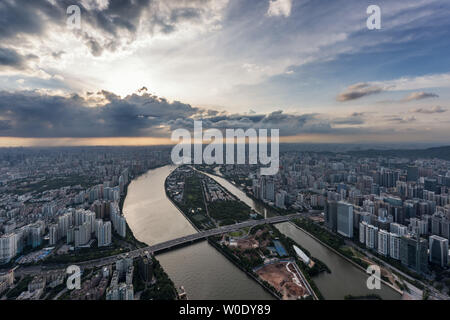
(63, 206)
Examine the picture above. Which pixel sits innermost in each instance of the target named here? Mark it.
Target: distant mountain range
(436, 152)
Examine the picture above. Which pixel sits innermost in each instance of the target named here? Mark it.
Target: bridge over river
(171, 244)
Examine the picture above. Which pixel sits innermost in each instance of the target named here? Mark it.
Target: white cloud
(279, 8)
(360, 90)
(416, 83)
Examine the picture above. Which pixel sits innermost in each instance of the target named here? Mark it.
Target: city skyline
(137, 70)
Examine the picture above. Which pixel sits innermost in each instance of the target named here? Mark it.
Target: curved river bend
(202, 270)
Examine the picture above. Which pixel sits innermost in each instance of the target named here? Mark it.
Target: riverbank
(343, 256)
(218, 247)
(350, 279)
(248, 271)
(202, 270)
(253, 251)
(164, 288)
(129, 236)
(181, 211)
(238, 265)
(272, 209)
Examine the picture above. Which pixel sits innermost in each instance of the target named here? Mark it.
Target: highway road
(154, 249)
(171, 244)
(433, 291)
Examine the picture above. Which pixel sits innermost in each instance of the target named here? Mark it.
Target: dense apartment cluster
(400, 208)
(66, 195)
(121, 285)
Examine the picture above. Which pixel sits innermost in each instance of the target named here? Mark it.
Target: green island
(205, 203)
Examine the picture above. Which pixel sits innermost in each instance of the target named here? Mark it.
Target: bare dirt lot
(283, 277)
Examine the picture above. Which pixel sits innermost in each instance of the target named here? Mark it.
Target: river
(202, 270)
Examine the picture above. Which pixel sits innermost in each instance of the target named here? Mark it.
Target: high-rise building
(383, 242)
(362, 232)
(270, 190)
(112, 293)
(331, 215)
(123, 264)
(412, 173)
(345, 219)
(414, 253)
(70, 236)
(394, 246)
(371, 237)
(418, 225)
(398, 229)
(439, 250)
(118, 220)
(82, 234)
(126, 291)
(6, 280)
(146, 268)
(430, 184)
(36, 234)
(129, 275)
(280, 199)
(103, 233)
(90, 218)
(8, 247)
(53, 234)
(64, 222)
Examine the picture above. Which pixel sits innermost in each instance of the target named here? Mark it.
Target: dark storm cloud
(9, 58)
(357, 91)
(288, 124)
(20, 17)
(32, 114)
(115, 25)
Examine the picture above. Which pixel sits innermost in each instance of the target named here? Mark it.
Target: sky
(135, 70)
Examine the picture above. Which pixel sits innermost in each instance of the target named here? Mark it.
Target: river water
(202, 270)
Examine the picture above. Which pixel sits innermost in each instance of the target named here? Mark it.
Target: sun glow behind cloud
(211, 55)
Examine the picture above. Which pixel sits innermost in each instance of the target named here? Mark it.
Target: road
(33, 270)
(433, 291)
(188, 239)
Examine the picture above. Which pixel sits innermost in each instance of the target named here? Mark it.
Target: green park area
(229, 212)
